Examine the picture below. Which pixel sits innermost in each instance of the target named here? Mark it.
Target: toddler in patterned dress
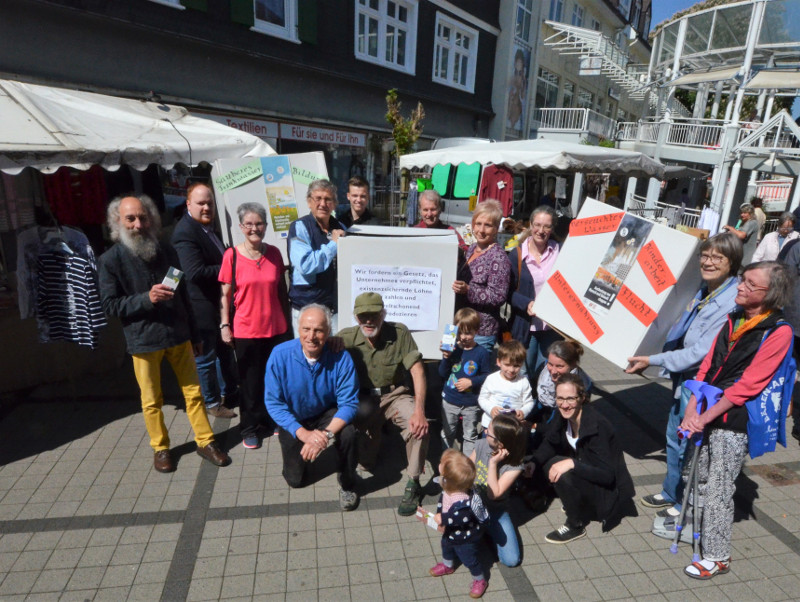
(461, 516)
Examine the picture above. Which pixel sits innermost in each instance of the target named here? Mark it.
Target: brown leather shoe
(162, 461)
(214, 454)
(220, 411)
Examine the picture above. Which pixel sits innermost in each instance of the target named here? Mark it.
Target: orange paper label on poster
(598, 224)
(575, 307)
(655, 267)
(643, 312)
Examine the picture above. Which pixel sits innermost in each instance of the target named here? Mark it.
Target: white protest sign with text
(412, 259)
(410, 295)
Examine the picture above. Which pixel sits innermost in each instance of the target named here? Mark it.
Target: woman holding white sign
(688, 341)
(531, 265)
(484, 278)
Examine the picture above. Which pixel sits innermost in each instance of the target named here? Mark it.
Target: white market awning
(542, 154)
(699, 77)
(46, 128)
(769, 79)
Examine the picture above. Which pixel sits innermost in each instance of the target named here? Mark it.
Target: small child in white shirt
(507, 391)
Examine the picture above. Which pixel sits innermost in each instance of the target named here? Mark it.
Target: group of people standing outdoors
(513, 396)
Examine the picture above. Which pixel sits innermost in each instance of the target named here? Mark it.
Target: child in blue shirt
(465, 368)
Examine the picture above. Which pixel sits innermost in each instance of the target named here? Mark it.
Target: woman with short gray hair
(747, 361)
(771, 245)
(254, 308)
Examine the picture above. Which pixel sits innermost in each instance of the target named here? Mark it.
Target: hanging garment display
(57, 284)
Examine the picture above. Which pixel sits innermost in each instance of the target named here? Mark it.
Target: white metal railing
(674, 214)
(772, 139)
(628, 130)
(648, 132)
(694, 134)
(574, 120)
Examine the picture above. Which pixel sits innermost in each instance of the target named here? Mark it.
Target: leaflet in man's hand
(173, 278)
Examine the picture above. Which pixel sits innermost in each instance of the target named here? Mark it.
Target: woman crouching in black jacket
(582, 459)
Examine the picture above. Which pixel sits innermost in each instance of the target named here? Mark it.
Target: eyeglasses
(712, 259)
(752, 287)
(545, 227)
(490, 436)
(322, 199)
(253, 225)
(567, 401)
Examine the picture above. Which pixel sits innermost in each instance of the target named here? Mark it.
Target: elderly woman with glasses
(582, 459)
(531, 265)
(252, 279)
(688, 341)
(771, 245)
(748, 355)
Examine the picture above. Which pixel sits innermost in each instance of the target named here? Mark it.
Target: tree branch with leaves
(405, 132)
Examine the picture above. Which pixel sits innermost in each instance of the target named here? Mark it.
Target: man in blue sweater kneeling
(312, 394)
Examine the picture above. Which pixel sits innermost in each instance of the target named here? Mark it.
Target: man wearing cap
(383, 353)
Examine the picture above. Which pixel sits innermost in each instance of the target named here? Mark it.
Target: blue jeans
(487, 342)
(676, 450)
(215, 368)
(537, 350)
(503, 534)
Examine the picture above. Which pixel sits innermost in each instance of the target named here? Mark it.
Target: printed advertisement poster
(617, 263)
(279, 189)
(410, 294)
(518, 91)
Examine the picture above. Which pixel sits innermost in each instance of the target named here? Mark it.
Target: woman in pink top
(252, 273)
(531, 265)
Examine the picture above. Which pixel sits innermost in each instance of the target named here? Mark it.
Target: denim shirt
(700, 335)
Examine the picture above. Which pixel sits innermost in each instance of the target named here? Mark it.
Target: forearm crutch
(705, 396)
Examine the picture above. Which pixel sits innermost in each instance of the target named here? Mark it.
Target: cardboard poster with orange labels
(661, 274)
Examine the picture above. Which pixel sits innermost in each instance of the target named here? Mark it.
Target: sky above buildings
(664, 9)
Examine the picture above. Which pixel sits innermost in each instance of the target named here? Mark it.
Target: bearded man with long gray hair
(156, 321)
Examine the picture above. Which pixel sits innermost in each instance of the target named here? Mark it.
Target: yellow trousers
(147, 367)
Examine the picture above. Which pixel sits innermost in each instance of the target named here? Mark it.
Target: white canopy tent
(542, 154)
(46, 128)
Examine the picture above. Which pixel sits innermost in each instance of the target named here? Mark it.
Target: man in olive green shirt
(383, 353)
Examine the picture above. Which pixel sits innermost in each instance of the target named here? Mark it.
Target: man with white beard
(156, 321)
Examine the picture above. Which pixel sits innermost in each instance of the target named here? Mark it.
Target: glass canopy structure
(728, 52)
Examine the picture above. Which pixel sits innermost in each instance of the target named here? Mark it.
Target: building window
(636, 13)
(556, 10)
(524, 16)
(569, 95)
(386, 33)
(546, 89)
(595, 24)
(577, 15)
(276, 18)
(621, 115)
(455, 54)
(625, 8)
(585, 99)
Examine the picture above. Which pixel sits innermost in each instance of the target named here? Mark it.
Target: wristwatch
(221, 326)
(331, 437)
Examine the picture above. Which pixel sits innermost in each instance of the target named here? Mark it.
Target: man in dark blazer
(200, 252)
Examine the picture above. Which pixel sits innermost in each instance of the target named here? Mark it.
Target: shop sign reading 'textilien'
(290, 131)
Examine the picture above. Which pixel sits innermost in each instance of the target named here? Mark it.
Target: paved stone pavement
(83, 516)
